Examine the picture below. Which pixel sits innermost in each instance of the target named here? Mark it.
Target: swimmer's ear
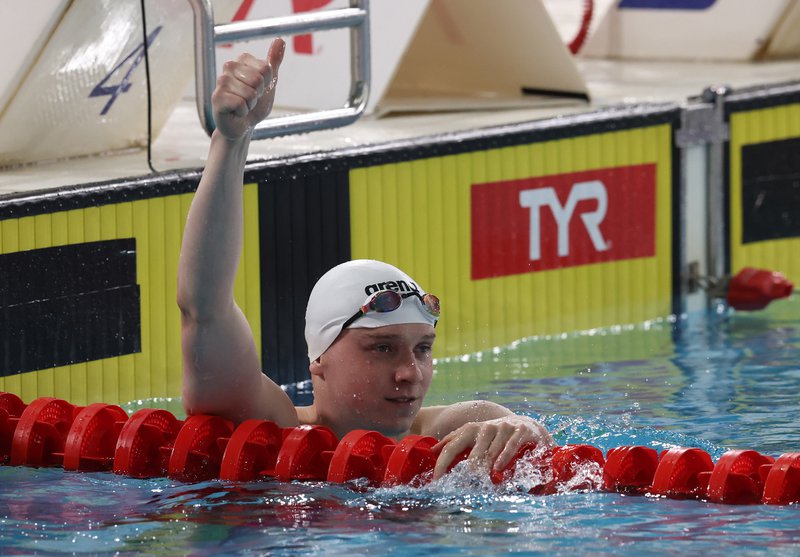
(317, 368)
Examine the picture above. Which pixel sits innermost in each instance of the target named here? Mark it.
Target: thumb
(275, 57)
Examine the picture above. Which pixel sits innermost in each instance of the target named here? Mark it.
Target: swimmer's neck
(308, 415)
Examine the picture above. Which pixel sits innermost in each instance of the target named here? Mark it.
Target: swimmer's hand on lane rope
(245, 91)
(494, 442)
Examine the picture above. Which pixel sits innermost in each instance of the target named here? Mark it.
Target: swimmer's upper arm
(438, 421)
(222, 372)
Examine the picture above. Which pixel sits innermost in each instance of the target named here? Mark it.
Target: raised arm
(221, 368)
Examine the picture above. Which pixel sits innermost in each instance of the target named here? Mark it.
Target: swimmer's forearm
(212, 240)
(441, 420)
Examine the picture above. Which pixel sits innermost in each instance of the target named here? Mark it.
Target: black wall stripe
(754, 98)
(68, 304)
(726, 204)
(305, 230)
(770, 190)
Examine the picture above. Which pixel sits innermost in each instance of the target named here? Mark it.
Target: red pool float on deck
(41, 433)
(145, 444)
(11, 408)
(92, 438)
(738, 478)
(306, 453)
(361, 454)
(682, 474)
(252, 451)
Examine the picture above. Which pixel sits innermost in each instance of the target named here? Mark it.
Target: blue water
(714, 380)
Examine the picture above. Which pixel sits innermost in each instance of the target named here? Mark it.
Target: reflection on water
(707, 379)
(107, 514)
(713, 381)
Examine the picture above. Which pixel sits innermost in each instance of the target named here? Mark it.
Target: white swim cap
(340, 293)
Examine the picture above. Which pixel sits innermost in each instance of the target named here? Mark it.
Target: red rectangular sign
(563, 220)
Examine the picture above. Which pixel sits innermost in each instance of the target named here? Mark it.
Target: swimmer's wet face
(375, 378)
(371, 369)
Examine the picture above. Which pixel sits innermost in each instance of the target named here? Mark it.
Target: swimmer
(370, 327)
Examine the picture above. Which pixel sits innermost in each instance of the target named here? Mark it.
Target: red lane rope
(154, 443)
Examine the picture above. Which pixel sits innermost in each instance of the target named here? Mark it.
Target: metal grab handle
(207, 35)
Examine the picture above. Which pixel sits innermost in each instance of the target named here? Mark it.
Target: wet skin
(373, 379)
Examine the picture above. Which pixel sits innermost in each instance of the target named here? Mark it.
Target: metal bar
(207, 35)
(716, 184)
(205, 71)
(293, 25)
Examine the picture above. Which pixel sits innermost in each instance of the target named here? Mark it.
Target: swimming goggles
(389, 300)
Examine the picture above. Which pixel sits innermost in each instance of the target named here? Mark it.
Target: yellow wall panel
(157, 226)
(432, 198)
(751, 127)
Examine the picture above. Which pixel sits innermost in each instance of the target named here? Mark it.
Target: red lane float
(738, 478)
(154, 443)
(565, 468)
(92, 438)
(11, 408)
(630, 469)
(252, 451)
(753, 289)
(145, 444)
(41, 433)
(682, 474)
(782, 486)
(411, 461)
(568, 462)
(361, 454)
(306, 454)
(198, 449)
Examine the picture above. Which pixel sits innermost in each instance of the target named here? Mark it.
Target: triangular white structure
(432, 55)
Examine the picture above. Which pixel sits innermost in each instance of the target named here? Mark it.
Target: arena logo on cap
(394, 285)
(563, 220)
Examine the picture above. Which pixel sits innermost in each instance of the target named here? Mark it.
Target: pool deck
(182, 144)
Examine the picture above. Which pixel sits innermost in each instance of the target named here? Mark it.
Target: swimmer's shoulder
(426, 421)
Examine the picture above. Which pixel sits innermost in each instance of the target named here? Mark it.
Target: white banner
(729, 30)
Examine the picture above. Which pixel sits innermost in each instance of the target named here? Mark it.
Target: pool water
(714, 380)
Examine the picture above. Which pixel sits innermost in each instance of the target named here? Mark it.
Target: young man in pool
(369, 326)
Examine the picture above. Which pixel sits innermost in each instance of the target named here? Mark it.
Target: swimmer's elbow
(189, 302)
(196, 307)
(186, 302)
(265, 401)
(199, 401)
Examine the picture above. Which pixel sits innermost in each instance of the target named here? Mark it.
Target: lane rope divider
(154, 443)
